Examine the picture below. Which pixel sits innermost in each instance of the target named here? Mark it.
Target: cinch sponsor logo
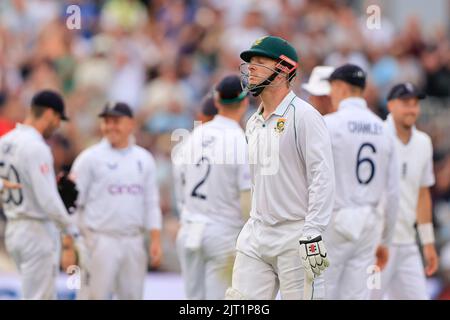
(132, 189)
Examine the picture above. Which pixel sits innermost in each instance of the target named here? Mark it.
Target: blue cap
(404, 91)
(208, 106)
(230, 90)
(351, 74)
(118, 109)
(50, 99)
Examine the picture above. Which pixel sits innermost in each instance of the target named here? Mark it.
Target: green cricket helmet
(274, 48)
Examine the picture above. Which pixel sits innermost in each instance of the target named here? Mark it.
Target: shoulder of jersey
(92, 152)
(423, 136)
(303, 107)
(8, 135)
(143, 152)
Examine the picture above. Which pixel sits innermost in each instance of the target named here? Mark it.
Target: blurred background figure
(319, 89)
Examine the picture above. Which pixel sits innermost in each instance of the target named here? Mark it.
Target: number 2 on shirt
(195, 192)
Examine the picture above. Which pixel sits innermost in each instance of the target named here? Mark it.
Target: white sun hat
(317, 84)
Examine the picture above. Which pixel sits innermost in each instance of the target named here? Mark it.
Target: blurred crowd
(163, 56)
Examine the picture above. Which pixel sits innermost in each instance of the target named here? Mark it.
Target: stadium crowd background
(163, 56)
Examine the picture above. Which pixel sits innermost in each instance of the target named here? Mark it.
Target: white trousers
(403, 277)
(268, 260)
(207, 268)
(116, 267)
(35, 248)
(351, 261)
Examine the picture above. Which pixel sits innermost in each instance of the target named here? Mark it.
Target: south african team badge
(280, 125)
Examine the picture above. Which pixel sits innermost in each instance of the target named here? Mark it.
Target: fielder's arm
(154, 216)
(425, 230)
(6, 184)
(43, 181)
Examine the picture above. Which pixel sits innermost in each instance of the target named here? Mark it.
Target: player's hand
(11, 185)
(314, 256)
(69, 254)
(68, 258)
(431, 259)
(155, 253)
(382, 256)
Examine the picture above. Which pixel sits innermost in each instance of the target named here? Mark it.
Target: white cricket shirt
(118, 189)
(215, 171)
(291, 165)
(364, 160)
(25, 158)
(415, 163)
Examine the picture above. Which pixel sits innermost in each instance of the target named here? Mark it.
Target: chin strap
(256, 89)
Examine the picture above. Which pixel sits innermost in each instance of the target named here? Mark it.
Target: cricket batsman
(280, 247)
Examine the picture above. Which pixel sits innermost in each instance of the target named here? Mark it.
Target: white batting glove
(314, 256)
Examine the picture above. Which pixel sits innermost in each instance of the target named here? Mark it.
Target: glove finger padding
(305, 262)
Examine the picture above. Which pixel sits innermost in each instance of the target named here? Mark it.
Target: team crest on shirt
(279, 128)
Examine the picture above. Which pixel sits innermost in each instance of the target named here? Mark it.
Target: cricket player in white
(206, 113)
(365, 168)
(117, 204)
(404, 275)
(292, 183)
(35, 212)
(216, 195)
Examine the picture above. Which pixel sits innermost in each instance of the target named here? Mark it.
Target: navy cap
(230, 90)
(50, 99)
(208, 106)
(351, 74)
(118, 109)
(404, 91)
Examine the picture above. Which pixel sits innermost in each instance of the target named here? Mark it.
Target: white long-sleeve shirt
(415, 163)
(25, 158)
(364, 160)
(214, 169)
(118, 192)
(291, 166)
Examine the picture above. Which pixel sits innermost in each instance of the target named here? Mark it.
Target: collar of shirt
(354, 102)
(281, 109)
(225, 121)
(391, 126)
(107, 145)
(31, 130)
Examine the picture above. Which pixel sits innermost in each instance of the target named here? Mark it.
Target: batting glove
(314, 256)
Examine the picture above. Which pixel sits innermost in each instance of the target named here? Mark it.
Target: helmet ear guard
(286, 64)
